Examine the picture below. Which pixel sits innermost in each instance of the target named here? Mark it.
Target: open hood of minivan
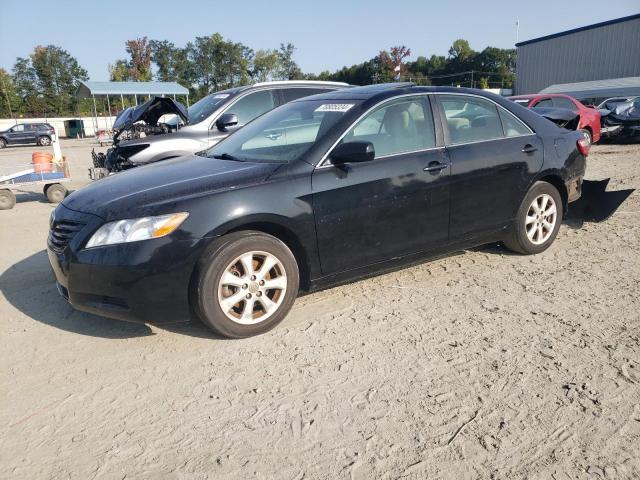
(150, 112)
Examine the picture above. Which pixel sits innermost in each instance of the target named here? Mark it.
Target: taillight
(583, 146)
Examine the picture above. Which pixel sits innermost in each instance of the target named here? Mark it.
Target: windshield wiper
(226, 156)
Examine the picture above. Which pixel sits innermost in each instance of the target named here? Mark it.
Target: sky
(328, 34)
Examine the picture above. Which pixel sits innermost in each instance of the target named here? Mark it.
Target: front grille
(62, 233)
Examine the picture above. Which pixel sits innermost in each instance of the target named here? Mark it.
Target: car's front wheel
(245, 284)
(3, 143)
(538, 220)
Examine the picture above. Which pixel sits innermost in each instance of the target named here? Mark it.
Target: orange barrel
(41, 162)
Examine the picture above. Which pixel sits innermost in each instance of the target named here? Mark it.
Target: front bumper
(146, 281)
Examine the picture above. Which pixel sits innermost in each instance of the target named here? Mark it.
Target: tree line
(45, 82)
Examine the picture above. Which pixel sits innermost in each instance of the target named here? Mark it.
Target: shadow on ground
(595, 204)
(29, 285)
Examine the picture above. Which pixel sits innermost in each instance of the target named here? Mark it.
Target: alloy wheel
(541, 219)
(252, 287)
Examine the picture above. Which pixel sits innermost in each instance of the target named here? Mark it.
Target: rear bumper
(574, 188)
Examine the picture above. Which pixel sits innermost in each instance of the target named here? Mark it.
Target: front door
(396, 204)
(18, 135)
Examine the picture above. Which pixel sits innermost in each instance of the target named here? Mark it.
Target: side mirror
(226, 120)
(353, 152)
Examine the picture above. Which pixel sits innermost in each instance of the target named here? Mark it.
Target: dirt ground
(481, 365)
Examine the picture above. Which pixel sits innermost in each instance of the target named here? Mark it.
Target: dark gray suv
(205, 123)
(27, 133)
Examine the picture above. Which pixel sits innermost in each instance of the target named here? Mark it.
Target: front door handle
(435, 167)
(528, 148)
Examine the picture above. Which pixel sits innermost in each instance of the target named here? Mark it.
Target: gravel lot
(481, 365)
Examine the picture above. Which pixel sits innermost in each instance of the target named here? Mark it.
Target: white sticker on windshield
(221, 95)
(334, 107)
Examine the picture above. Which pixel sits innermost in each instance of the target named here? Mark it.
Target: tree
(219, 63)
(172, 63)
(266, 64)
(289, 69)
(9, 99)
(119, 72)
(140, 63)
(48, 80)
(460, 51)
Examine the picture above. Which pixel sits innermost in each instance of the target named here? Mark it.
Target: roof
(87, 89)
(628, 86)
(302, 82)
(536, 95)
(580, 29)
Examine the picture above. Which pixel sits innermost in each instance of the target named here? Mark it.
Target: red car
(589, 123)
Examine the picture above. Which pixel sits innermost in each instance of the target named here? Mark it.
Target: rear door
(32, 133)
(392, 206)
(493, 158)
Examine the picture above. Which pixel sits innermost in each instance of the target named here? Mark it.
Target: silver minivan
(199, 127)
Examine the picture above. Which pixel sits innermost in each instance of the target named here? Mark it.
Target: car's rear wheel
(538, 220)
(586, 134)
(245, 284)
(44, 141)
(7, 199)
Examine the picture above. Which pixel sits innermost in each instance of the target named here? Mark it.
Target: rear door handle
(528, 148)
(435, 167)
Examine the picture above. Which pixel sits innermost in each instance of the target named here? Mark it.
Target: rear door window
(471, 119)
(252, 106)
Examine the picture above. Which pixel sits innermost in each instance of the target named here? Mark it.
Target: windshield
(204, 107)
(284, 134)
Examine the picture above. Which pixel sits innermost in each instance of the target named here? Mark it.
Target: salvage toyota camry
(322, 190)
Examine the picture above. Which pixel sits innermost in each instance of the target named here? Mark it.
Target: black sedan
(322, 190)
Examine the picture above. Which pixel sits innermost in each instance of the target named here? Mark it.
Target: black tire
(517, 238)
(3, 143)
(44, 141)
(55, 192)
(587, 134)
(213, 264)
(7, 199)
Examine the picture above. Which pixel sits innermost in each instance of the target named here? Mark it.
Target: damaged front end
(133, 124)
(621, 119)
(563, 117)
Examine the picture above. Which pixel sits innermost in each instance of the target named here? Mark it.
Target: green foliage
(288, 68)
(266, 65)
(47, 81)
(9, 99)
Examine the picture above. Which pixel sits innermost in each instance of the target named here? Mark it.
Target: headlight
(135, 229)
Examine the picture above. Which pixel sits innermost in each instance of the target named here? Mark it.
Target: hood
(150, 189)
(150, 112)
